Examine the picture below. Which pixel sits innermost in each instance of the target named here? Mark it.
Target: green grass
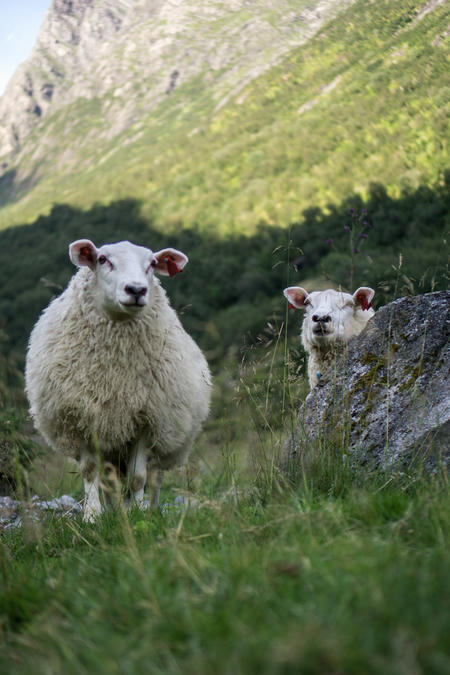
(264, 578)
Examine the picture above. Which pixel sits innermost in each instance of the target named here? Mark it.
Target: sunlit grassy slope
(366, 100)
(331, 576)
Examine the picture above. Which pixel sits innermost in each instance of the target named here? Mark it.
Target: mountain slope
(132, 54)
(362, 101)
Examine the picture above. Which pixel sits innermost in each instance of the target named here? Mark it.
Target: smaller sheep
(331, 319)
(111, 375)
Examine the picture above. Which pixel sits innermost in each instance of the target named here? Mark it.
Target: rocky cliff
(131, 54)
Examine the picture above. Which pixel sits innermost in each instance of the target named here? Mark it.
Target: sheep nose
(136, 291)
(321, 319)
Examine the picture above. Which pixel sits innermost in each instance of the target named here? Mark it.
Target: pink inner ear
(365, 304)
(172, 267)
(86, 252)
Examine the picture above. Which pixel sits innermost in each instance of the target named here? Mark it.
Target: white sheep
(111, 375)
(331, 319)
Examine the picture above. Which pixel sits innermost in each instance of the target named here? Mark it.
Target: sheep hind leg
(90, 473)
(137, 475)
(155, 479)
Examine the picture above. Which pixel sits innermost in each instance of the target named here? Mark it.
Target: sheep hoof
(91, 514)
(141, 504)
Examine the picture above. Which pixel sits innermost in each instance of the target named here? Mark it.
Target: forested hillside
(232, 286)
(365, 100)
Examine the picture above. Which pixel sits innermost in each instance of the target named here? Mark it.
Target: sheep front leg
(137, 473)
(90, 473)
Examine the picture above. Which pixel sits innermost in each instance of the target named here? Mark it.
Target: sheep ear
(83, 253)
(363, 297)
(169, 261)
(296, 296)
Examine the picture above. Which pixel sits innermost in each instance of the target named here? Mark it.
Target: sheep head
(124, 273)
(331, 316)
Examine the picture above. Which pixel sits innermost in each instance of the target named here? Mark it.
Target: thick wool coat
(100, 385)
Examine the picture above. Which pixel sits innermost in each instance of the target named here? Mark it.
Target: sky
(20, 21)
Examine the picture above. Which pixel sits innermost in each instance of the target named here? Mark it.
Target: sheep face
(330, 315)
(124, 273)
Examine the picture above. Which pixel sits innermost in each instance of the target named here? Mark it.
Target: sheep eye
(101, 260)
